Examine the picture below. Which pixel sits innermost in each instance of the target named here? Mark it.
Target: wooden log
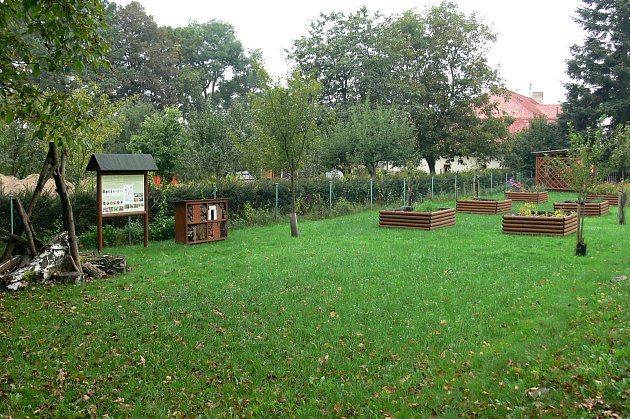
(92, 271)
(10, 264)
(111, 265)
(51, 259)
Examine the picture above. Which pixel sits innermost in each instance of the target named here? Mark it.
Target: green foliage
(539, 136)
(144, 58)
(619, 143)
(599, 68)
(448, 88)
(22, 154)
(426, 206)
(49, 37)
(369, 135)
(528, 208)
(213, 55)
(211, 148)
(162, 136)
(285, 119)
(346, 54)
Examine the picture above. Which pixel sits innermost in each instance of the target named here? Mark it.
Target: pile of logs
(53, 263)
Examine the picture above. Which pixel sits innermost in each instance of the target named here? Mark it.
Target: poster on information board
(122, 194)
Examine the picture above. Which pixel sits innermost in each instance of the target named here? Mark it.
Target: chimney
(538, 97)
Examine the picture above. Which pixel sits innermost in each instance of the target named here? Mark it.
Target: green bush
(251, 202)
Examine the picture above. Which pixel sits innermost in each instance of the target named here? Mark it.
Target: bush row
(257, 199)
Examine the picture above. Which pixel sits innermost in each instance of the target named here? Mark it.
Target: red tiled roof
(523, 109)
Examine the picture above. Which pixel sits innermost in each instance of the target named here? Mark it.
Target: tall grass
(349, 319)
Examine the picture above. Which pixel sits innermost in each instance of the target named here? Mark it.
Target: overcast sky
(533, 36)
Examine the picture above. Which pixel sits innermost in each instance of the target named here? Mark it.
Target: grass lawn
(348, 319)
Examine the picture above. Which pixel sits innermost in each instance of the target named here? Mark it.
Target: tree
(446, 82)
(211, 149)
(144, 58)
(104, 125)
(539, 136)
(22, 154)
(370, 135)
(580, 172)
(213, 52)
(619, 159)
(162, 136)
(132, 114)
(51, 37)
(600, 68)
(285, 119)
(345, 54)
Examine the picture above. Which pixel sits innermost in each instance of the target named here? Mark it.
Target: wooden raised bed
(613, 199)
(590, 208)
(540, 225)
(416, 219)
(484, 206)
(537, 197)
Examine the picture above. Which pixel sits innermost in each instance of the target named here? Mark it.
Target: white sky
(533, 36)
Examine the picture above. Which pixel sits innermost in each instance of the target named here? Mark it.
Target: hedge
(313, 194)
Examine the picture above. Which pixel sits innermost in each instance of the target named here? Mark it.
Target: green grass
(348, 319)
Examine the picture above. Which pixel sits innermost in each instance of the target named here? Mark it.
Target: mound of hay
(10, 185)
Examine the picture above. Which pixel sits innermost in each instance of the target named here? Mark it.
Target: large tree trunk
(293, 217)
(66, 207)
(431, 163)
(621, 215)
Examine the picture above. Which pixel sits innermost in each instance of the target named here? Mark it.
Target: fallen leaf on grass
(536, 392)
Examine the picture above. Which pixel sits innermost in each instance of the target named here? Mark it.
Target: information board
(122, 194)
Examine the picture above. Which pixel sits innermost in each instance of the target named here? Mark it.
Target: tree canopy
(600, 68)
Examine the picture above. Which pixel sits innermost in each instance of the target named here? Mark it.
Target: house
(523, 109)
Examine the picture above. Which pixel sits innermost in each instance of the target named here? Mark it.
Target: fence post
(214, 193)
(330, 194)
(506, 181)
(474, 187)
(456, 187)
(11, 211)
(432, 185)
(276, 200)
(404, 194)
(129, 229)
(490, 183)
(371, 192)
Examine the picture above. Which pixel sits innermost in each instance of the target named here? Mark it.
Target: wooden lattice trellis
(550, 173)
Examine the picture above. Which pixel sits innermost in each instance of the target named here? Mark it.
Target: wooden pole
(146, 209)
(99, 211)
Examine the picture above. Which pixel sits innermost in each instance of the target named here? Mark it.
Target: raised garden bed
(541, 224)
(590, 207)
(613, 199)
(433, 220)
(484, 206)
(537, 197)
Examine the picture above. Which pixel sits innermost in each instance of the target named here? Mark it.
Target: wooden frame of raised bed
(417, 219)
(484, 206)
(613, 199)
(541, 225)
(590, 208)
(520, 196)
